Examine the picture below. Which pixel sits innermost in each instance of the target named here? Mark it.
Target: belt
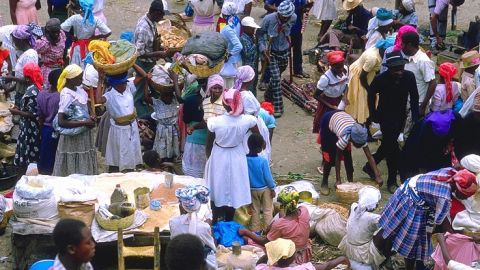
(126, 119)
(226, 147)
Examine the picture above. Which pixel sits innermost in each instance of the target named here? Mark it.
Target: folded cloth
(101, 54)
(122, 50)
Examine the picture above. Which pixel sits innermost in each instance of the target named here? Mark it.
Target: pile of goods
(204, 54)
(119, 214)
(300, 95)
(34, 199)
(173, 35)
(161, 81)
(114, 57)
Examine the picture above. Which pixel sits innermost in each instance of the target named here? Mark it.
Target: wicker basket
(117, 68)
(204, 71)
(471, 234)
(181, 29)
(347, 193)
(114, 224)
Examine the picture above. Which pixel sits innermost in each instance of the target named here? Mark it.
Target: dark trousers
(389, 150)
(297, 52)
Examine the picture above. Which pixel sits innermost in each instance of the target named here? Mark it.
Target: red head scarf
(267, 106)
(465, 181)
(447, 71)
(32, 71)
(233, 99)
(398, 39)
(335, 57)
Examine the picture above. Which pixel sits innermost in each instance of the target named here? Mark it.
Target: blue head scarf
(229, 9)
(87, 7)
(117, 79)
(385, 43)
(128, 36)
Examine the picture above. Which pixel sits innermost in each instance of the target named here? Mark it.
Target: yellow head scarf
(70, 72)
(279, 249)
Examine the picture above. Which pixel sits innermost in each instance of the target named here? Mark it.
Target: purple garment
(441, 121)
(203, 20)
(47, 106)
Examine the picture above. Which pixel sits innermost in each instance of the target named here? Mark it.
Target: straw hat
(470, 59)
(351, 4)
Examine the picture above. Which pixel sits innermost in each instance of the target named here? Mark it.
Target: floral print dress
(28, 146)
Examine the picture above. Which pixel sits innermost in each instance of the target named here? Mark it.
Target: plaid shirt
(249, 51)
(144, 36)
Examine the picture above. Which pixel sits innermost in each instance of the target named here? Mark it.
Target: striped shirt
(212, 109)
(341, 124)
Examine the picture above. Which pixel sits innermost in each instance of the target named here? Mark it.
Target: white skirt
(226, 174)
(123, 147)
(194, 159)
(325, 10)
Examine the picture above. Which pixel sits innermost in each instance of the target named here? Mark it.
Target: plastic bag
(300, 186)
(73, 113)
(33, 188)
(34, 208)
(189, 10)
(225, 233)
(331, 226)
(210, 44)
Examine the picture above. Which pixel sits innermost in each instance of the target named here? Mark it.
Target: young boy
(261, 182)
(185, 251)
(75, 245)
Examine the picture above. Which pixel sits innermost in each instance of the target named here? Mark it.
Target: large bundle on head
(161, 81)
(113, 58)
(212, 46)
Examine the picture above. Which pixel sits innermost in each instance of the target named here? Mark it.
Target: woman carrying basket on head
(82, 27)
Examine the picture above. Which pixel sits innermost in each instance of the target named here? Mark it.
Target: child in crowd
(75, 245)
(280, 254)
(154, 163)
(166, 115)
(262, 185)
(185, 251)
(362, 223)
(47, 107)
(471, 73)
(123, 150)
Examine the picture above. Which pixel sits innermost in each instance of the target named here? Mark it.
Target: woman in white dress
(123, 151)
(226, 171)
(203, 20)
(325, 11)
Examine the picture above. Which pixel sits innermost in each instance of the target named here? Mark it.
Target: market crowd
(381, 84)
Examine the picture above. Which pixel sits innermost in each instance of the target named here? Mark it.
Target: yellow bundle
(101, 54)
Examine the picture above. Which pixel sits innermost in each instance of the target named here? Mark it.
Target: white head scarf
(409, 5)
(368, 198)
(90, 76)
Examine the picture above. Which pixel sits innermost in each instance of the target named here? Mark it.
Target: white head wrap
(368, 198)
(409, 5)
(472, 163)
(90, 76)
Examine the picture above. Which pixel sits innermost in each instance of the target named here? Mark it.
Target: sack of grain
(210, 44)
(331, 225)
(34, 208)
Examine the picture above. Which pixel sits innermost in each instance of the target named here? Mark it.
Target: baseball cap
(249, 22)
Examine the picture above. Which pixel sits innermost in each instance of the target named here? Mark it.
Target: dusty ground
(294, 147)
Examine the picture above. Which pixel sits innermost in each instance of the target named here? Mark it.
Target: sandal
(320, 170)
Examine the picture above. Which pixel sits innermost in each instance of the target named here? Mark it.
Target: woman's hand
(243, 232)
(90, 123)
(15, 110)
(190, 130)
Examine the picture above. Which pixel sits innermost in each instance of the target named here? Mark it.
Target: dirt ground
(294, 147)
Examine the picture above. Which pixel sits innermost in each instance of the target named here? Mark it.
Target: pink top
(439, 99)
(462, 249)
(305, 266)
(297, 230)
